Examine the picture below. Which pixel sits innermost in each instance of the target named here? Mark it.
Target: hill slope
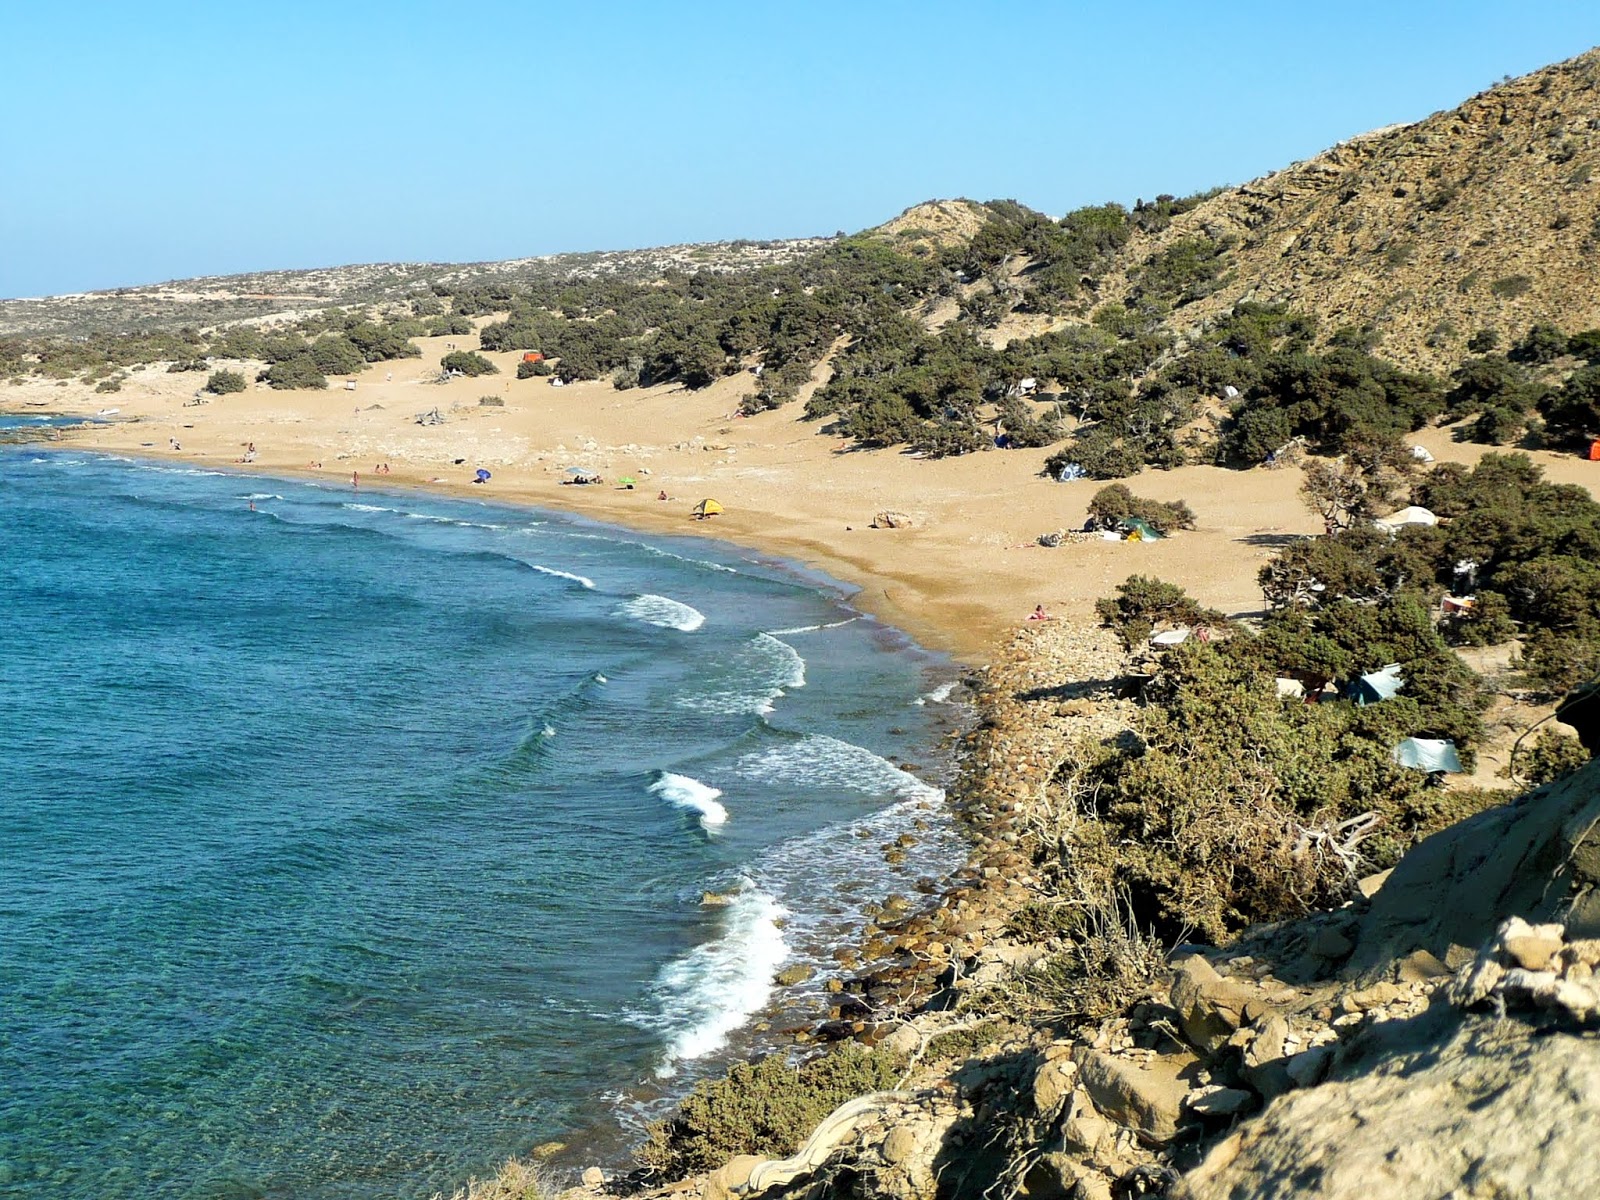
(1485, 216)
(214, 300)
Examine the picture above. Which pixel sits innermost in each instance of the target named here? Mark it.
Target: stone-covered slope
(1485, 216)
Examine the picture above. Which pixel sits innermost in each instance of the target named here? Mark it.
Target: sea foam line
(689, 794)
(715, 988)
(582, 580)
(664, 612)
(818, 760)
(773, 667)
(811, 628)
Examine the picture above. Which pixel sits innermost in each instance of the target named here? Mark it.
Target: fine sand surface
(967, 571)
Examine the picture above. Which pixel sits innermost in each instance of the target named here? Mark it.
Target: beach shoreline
(960, 576)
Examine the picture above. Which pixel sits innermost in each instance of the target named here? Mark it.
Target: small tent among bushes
(1429, 754)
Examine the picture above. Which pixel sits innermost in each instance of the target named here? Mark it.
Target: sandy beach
(967, 571)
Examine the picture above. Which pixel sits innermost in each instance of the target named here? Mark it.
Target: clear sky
(143, 141)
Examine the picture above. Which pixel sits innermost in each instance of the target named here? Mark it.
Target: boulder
(1083, 1130)
(1052, 1084)
(899, 1146)
(1537, 857)
(1144, 1097)
(1209, 1006)
(1492, 1108)
(1220, 1101)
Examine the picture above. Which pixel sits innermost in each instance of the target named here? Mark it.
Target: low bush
(301, 372)
(467, 363)
(1115, 503)
(1142, 602)
(766, 1107)
(223, 383)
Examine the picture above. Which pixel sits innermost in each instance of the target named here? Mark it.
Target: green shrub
(1512, 286)
(528, 370)
(336, 354)
(301, 372)
(766, 1107)
(1219, 814)
(1142, 602)
(222, 383)
(1544, 343)
(1552, 756)
(467, 363)
(1115, 503)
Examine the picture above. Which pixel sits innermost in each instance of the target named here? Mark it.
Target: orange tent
(1594, 450)
(533, 356)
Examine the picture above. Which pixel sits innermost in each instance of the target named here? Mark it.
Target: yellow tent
(707, 508)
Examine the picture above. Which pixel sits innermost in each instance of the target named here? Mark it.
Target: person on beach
(662, 496)
(355, 480)
(1039, 614)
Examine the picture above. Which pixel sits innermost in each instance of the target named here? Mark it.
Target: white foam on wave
(664, 612)
(811, 628)
(355, 507)
(688, 793)
(716, 987)
(261, 496)
(817, 760)
(829, 877)
(581, 580)
(774, 667)
(794, 675)
(648, 549)
(181, 471)
(940, 694)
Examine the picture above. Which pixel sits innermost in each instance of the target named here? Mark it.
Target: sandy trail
(967, 571)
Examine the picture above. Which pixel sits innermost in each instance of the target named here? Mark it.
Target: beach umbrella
(482, 475)
(627, 480)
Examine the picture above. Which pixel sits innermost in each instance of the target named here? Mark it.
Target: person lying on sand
(1039, 614)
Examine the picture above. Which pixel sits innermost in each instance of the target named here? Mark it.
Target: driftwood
(835, 1130)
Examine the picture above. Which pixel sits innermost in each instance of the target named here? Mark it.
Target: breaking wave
(818, 760)
(715, 988)
(763, 671)
(665, 612)
(685, 792)
(581, 580)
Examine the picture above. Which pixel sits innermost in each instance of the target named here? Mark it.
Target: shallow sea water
(356, 842)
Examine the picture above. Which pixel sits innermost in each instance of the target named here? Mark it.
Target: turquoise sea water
(353, 843)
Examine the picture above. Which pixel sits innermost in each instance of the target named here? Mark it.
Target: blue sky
(151, 141)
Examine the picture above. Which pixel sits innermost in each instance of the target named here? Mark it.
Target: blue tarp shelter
(1382, 684)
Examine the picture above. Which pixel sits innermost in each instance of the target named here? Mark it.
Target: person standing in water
(355, 480)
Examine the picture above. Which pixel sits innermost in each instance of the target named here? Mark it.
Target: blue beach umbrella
(482, 475)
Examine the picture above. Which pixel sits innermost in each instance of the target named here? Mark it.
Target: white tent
(1414, 515)
(1429, 754)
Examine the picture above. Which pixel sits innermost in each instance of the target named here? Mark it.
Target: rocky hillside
(1485, 216)
(215, 300)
